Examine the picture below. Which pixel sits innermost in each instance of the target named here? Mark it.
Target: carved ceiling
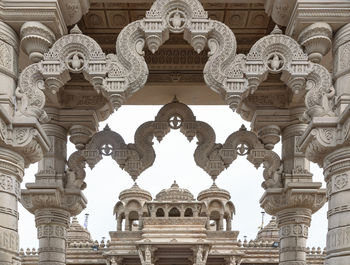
(176, 61)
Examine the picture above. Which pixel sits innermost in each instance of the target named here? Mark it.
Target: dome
(269, 232)
(174, 193)
(135, 192)
(214, 192)
(77, 233)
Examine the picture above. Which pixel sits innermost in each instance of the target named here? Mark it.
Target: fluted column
(337, 172)
(52, 225)
(11, 174)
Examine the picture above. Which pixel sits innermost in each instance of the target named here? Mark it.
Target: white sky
(174, 161)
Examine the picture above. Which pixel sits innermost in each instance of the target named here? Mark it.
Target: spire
(175, 100)
(276, 30)
(106, 128)
(75, 30)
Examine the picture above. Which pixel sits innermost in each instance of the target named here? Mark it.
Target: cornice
(17, 12)
(306, 12)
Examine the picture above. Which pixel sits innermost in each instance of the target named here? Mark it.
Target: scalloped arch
(209, 155)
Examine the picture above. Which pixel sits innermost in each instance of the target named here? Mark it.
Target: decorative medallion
(340, 181)
(175, 121)
(176, 20)
(242, 149)
(275, 62)
(106, 149)
(75, 62)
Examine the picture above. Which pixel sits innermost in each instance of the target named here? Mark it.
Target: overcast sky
(174, 161)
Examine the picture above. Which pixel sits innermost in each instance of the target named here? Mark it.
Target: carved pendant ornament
(209, 155)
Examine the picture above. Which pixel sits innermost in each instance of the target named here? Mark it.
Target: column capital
(307, 195)
(39, 196)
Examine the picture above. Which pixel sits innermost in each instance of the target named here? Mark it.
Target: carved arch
(278, 53)
(176, 16)
(210, 156)
(72, 53)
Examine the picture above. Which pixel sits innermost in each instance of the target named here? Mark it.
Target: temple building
(174, 228)
(282, 65)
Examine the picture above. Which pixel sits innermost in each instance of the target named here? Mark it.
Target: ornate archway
(209, 155)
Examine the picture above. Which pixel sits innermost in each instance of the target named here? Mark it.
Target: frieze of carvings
(338, 238)
(9, 239)
(297, 230)
(210, 156)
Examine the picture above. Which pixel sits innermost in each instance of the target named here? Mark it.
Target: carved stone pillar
(296, 167)
(11, 174)
(127, 222)
(52, 225)
(53, 198)
(341, 67)
(8, 66)
(51, 168)
(293, 206)
(52, 206)
(119, 223)
(221, 222)
(337, 172)
(293, 226)
(228, 223)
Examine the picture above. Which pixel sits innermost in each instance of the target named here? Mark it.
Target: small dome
(77, 233)
(174, 193)
(135, 192)
(214, 192)
(269, 232)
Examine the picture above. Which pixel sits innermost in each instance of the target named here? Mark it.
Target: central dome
(174, 193)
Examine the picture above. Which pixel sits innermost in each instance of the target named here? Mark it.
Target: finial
(174, 185)
(75, 30)
(175, 100)
(106, 128)
(276, 30)
(243, 128)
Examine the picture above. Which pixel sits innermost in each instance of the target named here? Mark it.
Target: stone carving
(36, 39)
(340, 181)
(316, 39)
(210, 156)
(145, 254)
